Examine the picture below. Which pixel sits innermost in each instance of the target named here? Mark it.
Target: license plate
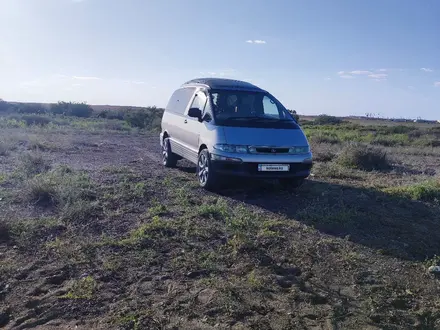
(273, 168)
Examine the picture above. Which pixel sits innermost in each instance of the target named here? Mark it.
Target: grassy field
(96, 234)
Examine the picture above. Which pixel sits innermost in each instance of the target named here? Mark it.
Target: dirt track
(331, 256)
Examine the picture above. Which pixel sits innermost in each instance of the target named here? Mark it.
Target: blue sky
(338, 57)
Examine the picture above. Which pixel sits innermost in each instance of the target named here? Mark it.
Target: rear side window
(179, 100)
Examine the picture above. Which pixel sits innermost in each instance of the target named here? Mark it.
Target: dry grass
(32, 164)
(116, 229)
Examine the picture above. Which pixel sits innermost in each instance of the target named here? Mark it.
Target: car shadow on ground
(394, 226)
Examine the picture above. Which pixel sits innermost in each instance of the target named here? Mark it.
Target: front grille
(267, 150)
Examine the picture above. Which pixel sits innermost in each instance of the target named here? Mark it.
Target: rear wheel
(205, 174)
(169, 159)
(291, 183)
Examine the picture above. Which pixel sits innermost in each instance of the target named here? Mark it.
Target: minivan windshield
(249, 109)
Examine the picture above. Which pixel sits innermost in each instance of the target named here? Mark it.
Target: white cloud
(341, 72)
(426, 70)
(437, 84)
(382, 70)
(85, 78)
(257, 41)
(378, 76)
(346, 76)
(328, 78)
(225, 72)
(361, 72)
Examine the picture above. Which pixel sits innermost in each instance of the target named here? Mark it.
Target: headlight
(231, 148)
(299, 150)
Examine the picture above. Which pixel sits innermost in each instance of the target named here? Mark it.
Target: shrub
(327, 120)
(72, 109)
(399, 129)
(4, 106)
(35, 120)
(80, 110)
(363, 157)
(148, 118)
(294, 114)
(4, 150)
(428, 141)
(42, 191)
(31, 109)
(323, 156)
(60, 108)
(33, 164)
(324, 137)
(4, 231)
(109, 114)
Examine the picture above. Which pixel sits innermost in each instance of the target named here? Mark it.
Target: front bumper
(299, 170)
(246, 165)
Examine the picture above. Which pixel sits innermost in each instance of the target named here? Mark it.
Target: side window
(179, 100)
(199, 101)
(270, 107)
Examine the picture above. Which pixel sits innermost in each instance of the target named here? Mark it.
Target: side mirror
(195, 113)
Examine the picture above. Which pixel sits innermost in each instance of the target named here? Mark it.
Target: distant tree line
(144, 118)
(60, 108)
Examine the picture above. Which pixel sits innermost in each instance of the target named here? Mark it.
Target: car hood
(264, 136)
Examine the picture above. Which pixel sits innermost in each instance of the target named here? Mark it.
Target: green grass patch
(156, 228)
(428, 191)
(157, 210)
(218, 210)
(26, 233)
(128, 321)
(72, 193)
(387, 136)
(84, 288)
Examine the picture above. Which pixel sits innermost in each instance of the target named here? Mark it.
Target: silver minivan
(233, 128)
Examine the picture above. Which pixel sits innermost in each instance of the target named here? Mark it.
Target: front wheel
(205, 174)
(169, 159)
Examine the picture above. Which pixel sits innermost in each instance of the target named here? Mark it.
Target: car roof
(223, 83)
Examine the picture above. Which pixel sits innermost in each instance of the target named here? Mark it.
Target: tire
(169, 159)
(205, 175)
(291, 183)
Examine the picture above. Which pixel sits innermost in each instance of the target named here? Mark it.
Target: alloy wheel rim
(203, 169)
(164, 152)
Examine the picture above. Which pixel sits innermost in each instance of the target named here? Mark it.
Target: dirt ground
(147, 249)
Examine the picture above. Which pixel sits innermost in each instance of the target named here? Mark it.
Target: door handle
(185, 121)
